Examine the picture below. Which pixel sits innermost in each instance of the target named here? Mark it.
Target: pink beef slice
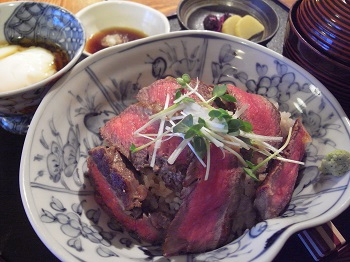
(156, 92)
(277, 188)
(204, 219)
(117, 191)
(119, 131)
(261, 113)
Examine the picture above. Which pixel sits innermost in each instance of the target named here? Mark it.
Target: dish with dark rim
(191, 14)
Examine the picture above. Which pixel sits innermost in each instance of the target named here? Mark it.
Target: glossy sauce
(97, 41)
(61, 56)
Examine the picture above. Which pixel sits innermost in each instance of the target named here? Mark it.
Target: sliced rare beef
(156, 92)
(103, 171)
(204, 219)
(261, 113)
(246, 215)
(209, 213)
(122, 180)
(277, 188)
(119, 131)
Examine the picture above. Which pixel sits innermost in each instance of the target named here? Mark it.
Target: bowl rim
(91, 7)
(62, 71)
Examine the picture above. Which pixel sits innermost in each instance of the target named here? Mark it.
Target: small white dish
(58, 197)
(124, 14)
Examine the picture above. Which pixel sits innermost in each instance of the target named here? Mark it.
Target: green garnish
(194, 130)
(219, 91)
(184, 80)
(133, 148)
(199, 146)
(251, 169)
(199, 123)
(219, 114)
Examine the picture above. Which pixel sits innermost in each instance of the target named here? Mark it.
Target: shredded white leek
(207, 170)
(192, 91)
(261, 137)
(172, 158)
(160, 132)
(240, 111)
(214, 131)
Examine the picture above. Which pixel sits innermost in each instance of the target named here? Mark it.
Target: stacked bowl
(317, 37)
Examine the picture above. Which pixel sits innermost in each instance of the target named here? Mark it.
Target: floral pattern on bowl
(58, 197)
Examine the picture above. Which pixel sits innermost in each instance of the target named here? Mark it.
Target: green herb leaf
(201, 121)
(219, 114)
(193, 130)
(132, 148)
(219, 90)
(225, 114)
(214, 114)
(187, 100)
(228, 98)
(186, 78)
(178, 93)
(199, 146)
(246, 127)
(234, 126)
(250, 173)
(180, 81)
(184, 125)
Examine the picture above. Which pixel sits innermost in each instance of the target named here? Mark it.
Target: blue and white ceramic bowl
(34, 23)
(58, 198)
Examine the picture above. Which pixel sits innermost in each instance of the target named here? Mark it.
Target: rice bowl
(107, 87)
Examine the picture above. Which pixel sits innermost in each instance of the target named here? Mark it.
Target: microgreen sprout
(184, 80)
(251, 169)
(220, 91)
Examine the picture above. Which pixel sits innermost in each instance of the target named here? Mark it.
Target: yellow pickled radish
(228, 27)
(247, 27)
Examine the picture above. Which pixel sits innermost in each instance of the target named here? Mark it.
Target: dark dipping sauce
(118, 34)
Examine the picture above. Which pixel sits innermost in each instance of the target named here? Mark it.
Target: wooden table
(167, 7)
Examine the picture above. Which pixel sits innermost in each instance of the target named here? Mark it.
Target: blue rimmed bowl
(32, 24)
(58, 197)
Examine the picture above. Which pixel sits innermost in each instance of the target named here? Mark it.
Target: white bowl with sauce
(119, 18)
